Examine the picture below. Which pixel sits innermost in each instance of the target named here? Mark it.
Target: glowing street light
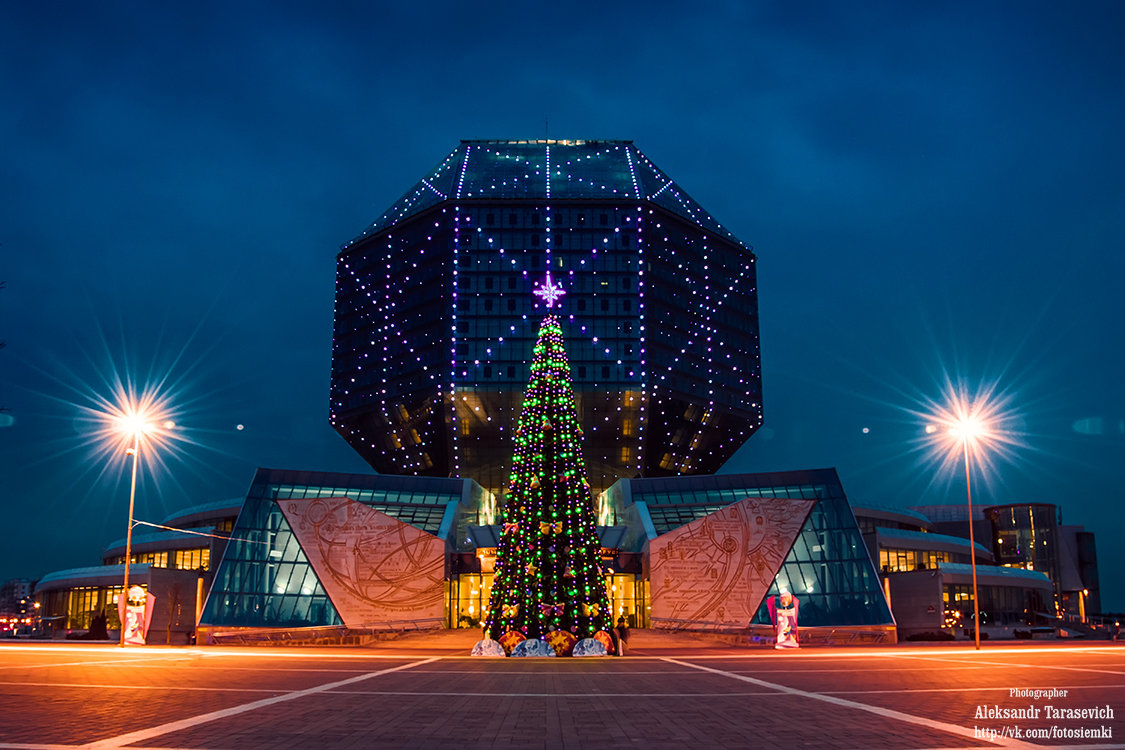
(970, 429)
(134, 423)
(127, 425)
(967, 427)
(123, 412)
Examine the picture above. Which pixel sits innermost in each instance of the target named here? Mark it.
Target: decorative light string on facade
(518, 171)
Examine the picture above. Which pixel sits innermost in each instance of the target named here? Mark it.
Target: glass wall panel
(264, 578)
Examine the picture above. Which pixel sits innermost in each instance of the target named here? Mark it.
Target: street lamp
(969, 428)
(133, 423)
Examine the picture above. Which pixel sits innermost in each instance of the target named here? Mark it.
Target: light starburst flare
(973, 428)
(128, 419)
(980, 423)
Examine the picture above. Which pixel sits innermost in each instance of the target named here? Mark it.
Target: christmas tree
(548, 572)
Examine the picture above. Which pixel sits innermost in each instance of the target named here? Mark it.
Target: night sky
(932, 192)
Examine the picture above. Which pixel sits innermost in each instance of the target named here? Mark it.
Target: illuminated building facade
(172, 561)
(438, 306)
(1035, 575)
(436, 315)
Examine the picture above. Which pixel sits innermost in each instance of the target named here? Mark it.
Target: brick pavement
(674, 691)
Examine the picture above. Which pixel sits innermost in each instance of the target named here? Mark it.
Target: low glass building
(361, 553)
(282, 563)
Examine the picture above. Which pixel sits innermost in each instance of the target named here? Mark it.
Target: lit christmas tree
(548, 571)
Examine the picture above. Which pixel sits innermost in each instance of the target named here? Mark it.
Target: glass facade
(895, 560)
(183, 559)
(1026, 536)
(828, 567)
(468, 599)
(265, 579)
(999, 605)
(192, 559)
(75, 608)
(155, 559)
(436, 316)
(469, 593)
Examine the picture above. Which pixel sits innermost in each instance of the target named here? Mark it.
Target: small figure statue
(783, 615)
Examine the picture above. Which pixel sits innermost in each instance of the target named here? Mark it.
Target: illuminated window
(192, 559)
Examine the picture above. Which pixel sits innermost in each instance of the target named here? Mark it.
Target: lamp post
(972, 429)
(134, 452)
(967, 429)
(132, 423)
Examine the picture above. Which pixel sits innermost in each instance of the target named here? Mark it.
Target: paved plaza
(670, 692)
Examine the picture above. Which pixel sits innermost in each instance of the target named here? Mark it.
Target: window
(488, 305)
(511, 282)
(488, 282)
(487, 371)
(490, 219)
(603, 220)
(535, 240)
(511, 371)
(463, 305)
(512, 220)
(626, 305)
(581, 305)
(192, 559)
(511, 305)
(605, 305)
(605, 372)
(582, 371)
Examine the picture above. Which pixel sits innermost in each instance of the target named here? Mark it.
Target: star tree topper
(549, 292)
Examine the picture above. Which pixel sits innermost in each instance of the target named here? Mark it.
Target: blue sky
(929, 190)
